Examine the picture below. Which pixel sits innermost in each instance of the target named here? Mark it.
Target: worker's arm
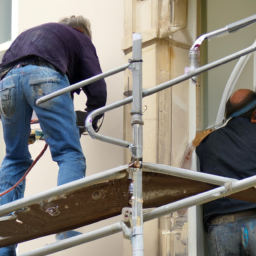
(89, 66)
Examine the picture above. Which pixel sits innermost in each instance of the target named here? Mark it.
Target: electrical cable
(35, 161)
(26, 173)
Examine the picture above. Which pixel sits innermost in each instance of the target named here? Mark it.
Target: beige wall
(166, 116)
(165, 55)
(107, 27)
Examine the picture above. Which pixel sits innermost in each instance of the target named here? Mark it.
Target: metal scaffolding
(226, 187)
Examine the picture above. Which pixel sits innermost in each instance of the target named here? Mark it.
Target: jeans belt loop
(226, 218)
(37, 61)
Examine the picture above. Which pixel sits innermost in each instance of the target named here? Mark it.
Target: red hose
(26, 173)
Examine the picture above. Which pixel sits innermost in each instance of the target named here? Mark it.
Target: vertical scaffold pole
(137, 124)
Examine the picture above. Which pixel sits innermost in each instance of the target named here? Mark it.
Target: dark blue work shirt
(68, 50)
(229, 152)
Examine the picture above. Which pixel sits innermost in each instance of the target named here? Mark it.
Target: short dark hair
(238, 101)
(78, 22)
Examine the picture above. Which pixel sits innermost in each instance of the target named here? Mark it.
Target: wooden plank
(82, 207)
(98, 202)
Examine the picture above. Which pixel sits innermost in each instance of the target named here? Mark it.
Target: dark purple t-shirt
(68, 50)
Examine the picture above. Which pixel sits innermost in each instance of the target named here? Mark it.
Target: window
(5, 21)
(1, 55)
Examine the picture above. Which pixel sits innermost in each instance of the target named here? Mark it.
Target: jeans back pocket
(44, 85)
(7, 97)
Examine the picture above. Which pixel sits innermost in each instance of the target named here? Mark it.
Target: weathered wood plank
(98, 202)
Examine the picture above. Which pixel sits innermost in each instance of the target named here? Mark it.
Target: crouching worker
(230, 152)
(40, 61)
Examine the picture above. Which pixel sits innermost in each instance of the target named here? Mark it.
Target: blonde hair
(78, 22)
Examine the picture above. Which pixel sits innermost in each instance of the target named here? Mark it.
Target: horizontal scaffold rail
(172, 193)
(233, 27)
(115, 173)
(104, 195)
(156, 89)
(213, 194)
(145, 93)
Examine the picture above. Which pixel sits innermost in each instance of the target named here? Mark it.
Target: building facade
(169, 28)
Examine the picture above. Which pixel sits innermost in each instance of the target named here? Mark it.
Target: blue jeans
(233, 238)
(19, 91)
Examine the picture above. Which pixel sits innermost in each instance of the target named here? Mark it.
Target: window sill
(5, 46)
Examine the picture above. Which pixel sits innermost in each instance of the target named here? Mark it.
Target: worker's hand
(35, 135)
(97, 122)
(80, 121)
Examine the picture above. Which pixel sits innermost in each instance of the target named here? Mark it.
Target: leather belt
(36, 61)
(226, 218)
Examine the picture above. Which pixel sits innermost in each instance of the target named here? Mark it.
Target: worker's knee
(8, 251)
(71, 168)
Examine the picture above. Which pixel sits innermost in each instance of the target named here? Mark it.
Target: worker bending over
(231, 152)
(40, 61)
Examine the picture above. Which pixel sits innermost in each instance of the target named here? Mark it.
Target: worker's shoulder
(50, 27)
(63, 31)
(54, 31)
(240, 127)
